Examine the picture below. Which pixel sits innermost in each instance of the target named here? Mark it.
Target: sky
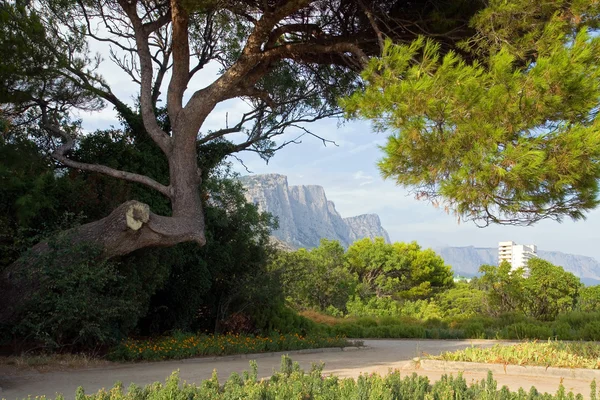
(352, 181)
(348, 173)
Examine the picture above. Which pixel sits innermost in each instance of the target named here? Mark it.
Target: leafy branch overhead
(512, 138)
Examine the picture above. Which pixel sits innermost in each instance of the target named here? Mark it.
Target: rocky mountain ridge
(305, 214)
(467, 260)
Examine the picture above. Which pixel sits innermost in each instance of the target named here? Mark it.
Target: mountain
(304, 213)
(467, 260)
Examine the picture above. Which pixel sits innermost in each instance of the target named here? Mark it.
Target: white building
(516, 254)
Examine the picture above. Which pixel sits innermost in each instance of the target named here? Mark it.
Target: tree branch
(148, 116)
(69, 143)
(181, 60)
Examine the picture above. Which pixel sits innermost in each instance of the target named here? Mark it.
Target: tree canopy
(496, 119)
(510, 136)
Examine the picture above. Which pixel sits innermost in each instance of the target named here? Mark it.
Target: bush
(475, 330)
(563, 331)
(285, 320)
(81, 303)
(577, 320)
(591, 331)
(524, 330)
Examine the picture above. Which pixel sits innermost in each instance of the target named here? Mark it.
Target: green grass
(293, 383)
(545, 354)
(184, 345)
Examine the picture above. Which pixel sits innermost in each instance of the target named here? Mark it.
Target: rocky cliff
(304, 213)
(366, 225)
(467, 260)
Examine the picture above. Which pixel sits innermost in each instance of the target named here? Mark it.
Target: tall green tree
(507, 132)
(539, 290)
(316, 278)
(504, 288)
(548, 290)
(150, 290)
(288, 59)
(402, 270)
(589, 299)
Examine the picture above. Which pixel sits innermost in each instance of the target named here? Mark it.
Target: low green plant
(545, 354)
(291, 382)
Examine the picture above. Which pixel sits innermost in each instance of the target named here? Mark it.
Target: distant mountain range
(467, 260)
(305, 215)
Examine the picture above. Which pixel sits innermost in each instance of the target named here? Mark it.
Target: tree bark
(130, 227)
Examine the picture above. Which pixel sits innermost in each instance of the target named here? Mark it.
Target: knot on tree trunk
(136, 214)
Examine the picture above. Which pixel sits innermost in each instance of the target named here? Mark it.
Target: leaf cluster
(495, 141)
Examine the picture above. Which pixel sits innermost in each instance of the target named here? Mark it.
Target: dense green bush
(524, 330)
(291, 382)
(591, 331)
(81, 302)
(506, 326)
(285, 320)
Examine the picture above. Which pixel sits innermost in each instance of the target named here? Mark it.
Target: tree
(589, 299)
(151, 290)
(504, 288)
(548, 290)
(289, 59)
(317, 278)
(507, 133)
(402, 270)
(540, 290)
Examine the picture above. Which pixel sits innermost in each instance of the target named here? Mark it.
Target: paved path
(379, 357)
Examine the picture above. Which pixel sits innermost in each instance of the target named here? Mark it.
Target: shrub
(577, 320)
(285, 320)
(562, 331)
(81, 302)
(591, 331)
(474, 330)
(524, 330)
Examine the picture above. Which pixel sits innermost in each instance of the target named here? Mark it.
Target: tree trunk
(130, 227)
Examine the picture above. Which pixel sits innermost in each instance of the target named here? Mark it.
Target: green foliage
(223, 285)
(503, 286)
(291, 382)
(591, 331)
(400, 270)
(373, 307)
(503, 140)
(540, 291)
(548, 290)
(317, 278)
(81, 302)
(34, 200)
(183, 287)
(589, 299)
(463, 299)
(285, 320)
(367, 279)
